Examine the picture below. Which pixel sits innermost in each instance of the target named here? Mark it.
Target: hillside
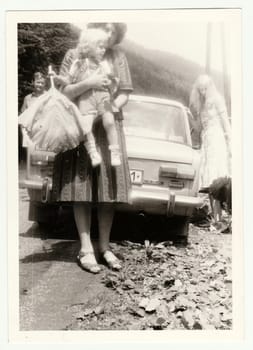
(162, 74)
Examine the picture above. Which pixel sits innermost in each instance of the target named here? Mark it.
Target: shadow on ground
(60, 251)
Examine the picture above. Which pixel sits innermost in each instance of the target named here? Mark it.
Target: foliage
(163, 287)
(41, 44)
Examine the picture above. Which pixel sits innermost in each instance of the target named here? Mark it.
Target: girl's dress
(53, 122)
(215, 150)
(81, 69)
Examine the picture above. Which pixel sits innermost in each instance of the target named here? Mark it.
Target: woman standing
(74, 180)
(210, 110)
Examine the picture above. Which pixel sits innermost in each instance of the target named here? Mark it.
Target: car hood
(139, 147)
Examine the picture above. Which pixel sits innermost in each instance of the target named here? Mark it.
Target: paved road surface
(50, 280)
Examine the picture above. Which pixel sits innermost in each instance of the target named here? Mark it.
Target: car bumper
(33, 184)
(151, 199)
(42, 187)
(162, 201)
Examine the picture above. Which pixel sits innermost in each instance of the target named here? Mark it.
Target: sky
(184, 39)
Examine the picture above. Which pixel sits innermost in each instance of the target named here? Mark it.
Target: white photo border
(236, 87)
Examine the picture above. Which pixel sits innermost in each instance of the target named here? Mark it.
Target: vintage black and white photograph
(124, 149)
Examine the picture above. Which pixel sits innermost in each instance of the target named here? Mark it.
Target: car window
(155, 120)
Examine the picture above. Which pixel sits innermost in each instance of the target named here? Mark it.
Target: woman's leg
(105, 219)
(211, 202)
(86, 257)
(82, 214)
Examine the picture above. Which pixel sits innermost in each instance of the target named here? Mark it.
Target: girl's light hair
(197, 102)
(90, 37)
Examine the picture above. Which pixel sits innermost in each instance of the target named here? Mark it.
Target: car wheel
(54, 221)
(44, 214)
(129, 227)
(179, 230)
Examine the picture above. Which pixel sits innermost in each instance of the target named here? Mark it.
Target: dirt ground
(160, 287)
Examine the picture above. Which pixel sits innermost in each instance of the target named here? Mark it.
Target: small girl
(211, 113)
(39, 88)
(94, 102)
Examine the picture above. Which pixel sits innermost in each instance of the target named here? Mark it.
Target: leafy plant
(41, 44)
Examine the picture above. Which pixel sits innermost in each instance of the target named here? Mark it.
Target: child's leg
(90, 144)
(216, 210)
(112, 137)
(110, 128)
(87, 123)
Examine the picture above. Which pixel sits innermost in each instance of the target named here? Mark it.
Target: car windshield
(155, 120)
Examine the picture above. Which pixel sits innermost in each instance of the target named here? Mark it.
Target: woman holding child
(75, 180)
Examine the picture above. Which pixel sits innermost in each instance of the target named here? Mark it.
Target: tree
(41, 44)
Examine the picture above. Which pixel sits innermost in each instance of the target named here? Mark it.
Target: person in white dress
(209, 108)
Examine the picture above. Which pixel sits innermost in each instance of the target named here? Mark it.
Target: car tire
(54, 221)
(43, 214)
(179, 230)
(128, 227)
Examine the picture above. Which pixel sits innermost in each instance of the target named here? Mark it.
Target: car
(164, 166)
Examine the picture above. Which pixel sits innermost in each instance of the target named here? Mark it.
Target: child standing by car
(94, 102)
(39, 87)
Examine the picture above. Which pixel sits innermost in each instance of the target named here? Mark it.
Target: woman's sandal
(85, 263)
(112, 261)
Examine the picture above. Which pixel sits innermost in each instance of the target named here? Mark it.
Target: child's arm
(95, 81)
(61, 80)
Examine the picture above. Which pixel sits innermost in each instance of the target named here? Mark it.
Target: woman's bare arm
(222, 111)
(24, 106)
(121, 100)
(225, 122)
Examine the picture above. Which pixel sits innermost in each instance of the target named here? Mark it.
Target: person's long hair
(120, 29)
(198, 102)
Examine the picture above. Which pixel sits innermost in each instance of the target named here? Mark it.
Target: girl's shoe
(95, 158)
(87, 261)
(93, 153)
(115, 155)
(112, 261)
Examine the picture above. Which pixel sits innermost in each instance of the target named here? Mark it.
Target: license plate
(136, 176)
